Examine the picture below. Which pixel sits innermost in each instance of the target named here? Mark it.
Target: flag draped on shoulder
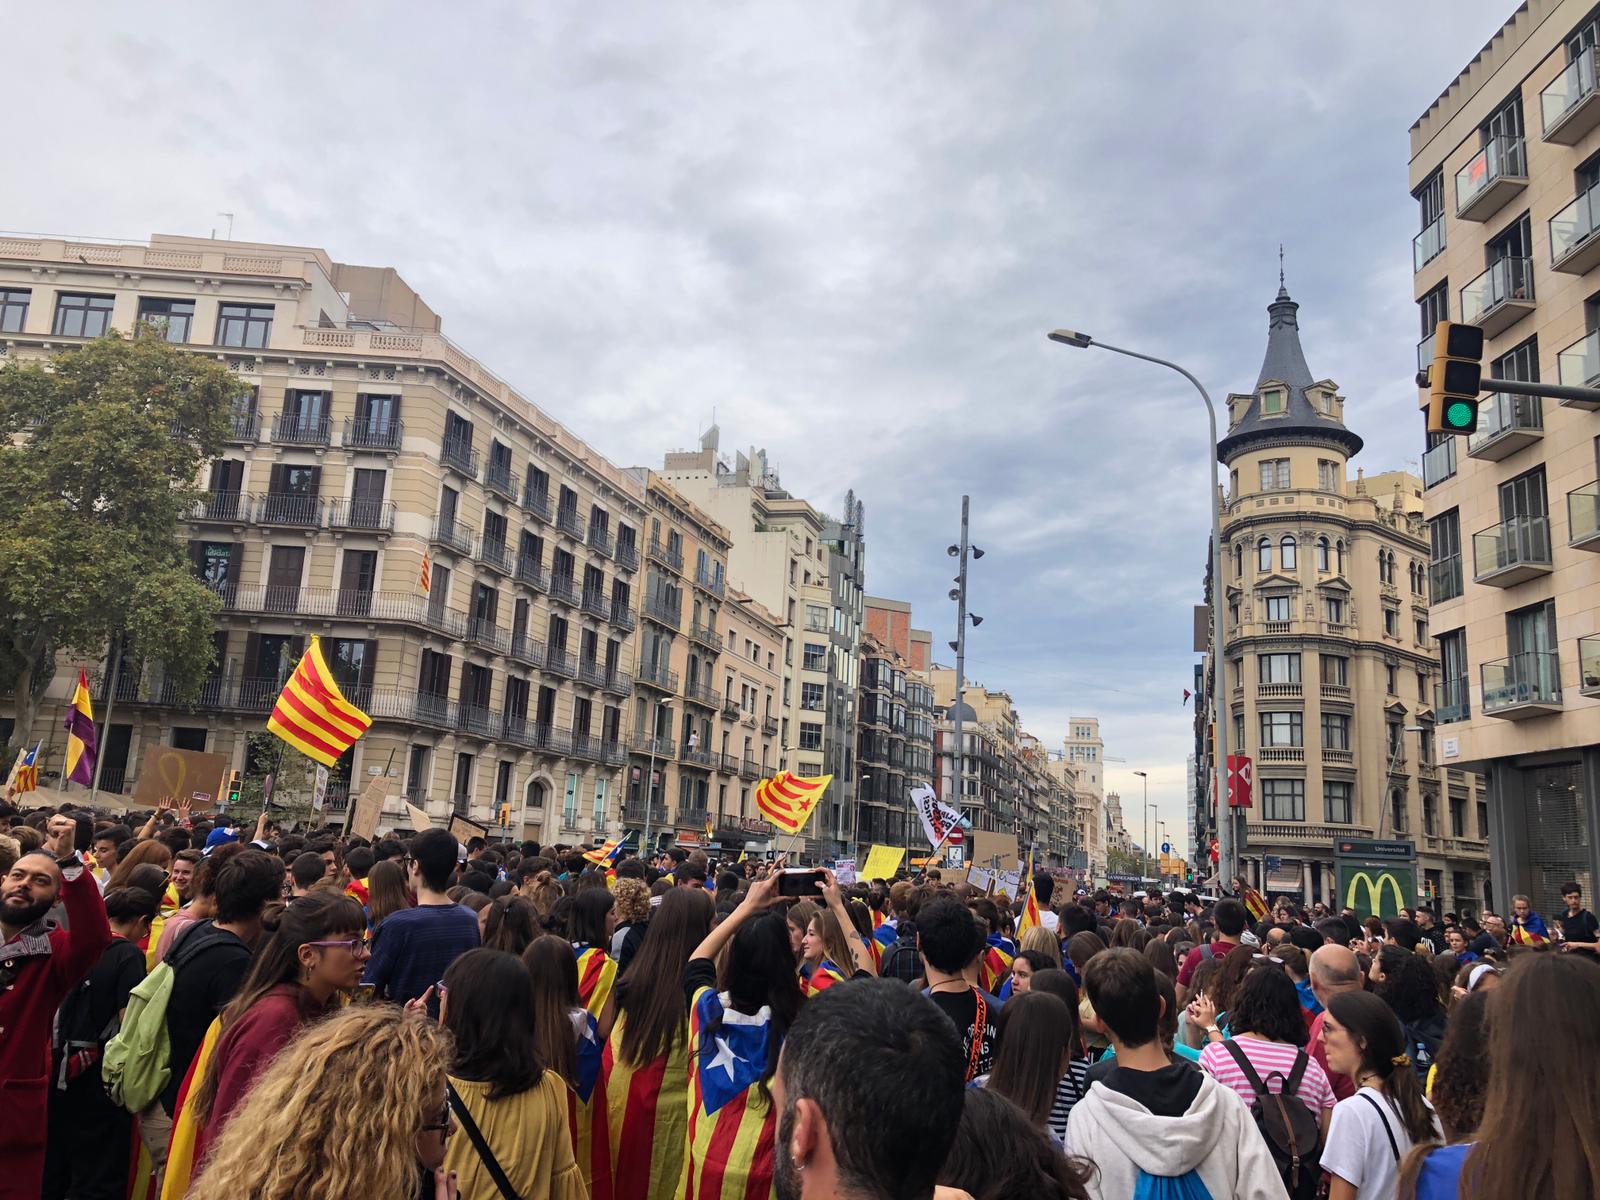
(647, 1118)
(822, 977)
(787, 799)
(996, 961)
(586, 1110)
(312, 714)
(597, 974)
(732, 1125)
(1529, 930)
(81, 741)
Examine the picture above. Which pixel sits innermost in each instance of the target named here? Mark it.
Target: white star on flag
(724, 1058)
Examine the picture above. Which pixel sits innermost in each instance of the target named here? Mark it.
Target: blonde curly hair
(336, 1114)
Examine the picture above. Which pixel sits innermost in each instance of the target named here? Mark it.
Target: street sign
(1166, 847)
(1398, 851)
(1273, 862)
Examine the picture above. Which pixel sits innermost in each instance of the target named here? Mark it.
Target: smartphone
(798, 881)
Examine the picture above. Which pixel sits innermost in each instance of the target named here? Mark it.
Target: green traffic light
(1459, 414)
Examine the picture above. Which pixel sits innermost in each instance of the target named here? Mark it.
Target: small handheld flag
(26, 777)
(312, 714)
(787, 799)
(1030, 909)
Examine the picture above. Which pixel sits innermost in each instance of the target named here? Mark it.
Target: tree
(100, 450)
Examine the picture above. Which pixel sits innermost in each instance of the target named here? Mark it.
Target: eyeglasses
(356, 946)
(445, 1124)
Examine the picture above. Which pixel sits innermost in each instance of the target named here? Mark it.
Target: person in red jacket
(39, 965)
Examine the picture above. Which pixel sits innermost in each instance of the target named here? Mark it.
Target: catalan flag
(822, 977)
(732, 1125)
(605, 855)
(426, 579)
(996, 962)
(1030, 909)
(1529, 930)
(1255, 903)
(312, 714)
(597, 973)
(80, 734)
(586, 1111)
(647, 1118)
(787, 799)
(184, 1150)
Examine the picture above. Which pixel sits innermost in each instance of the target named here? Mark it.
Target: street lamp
(650, 779)
(1227, 851)
(1142, 775)
(961, 551)
(1388, 775)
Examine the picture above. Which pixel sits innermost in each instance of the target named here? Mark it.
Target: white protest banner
(844, 870)
(940, 822)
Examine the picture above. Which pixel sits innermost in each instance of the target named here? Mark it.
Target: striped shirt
(1315, 1092)
(1069, 1090)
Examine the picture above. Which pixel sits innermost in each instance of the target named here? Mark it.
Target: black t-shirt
(1581, 928)
(208, 965)
(89, 1009)
(962, 1009)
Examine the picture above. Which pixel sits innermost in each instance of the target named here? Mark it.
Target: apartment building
(1047, 794)
(1505, 166)
(1084, 752)
(752, 666)
(369, 445)
(894, 683)
(1329, 664)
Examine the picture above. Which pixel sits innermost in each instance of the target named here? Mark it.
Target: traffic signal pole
(1556, 391)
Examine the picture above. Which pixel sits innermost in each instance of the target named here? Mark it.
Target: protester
(510, 924)
(951, 941)
(415, 945)
(633, 915)
(825, 951)
(1023, 968)
(1527, 927)
(998, 1154)
(799, 917)
(1459, 1079)
(1411, 989)
(589, 927)
(566, 1039)
(354, 1106)
(90, 1137)
(1033, 1054)
(1074, 1082)
(388, 892)
(645, 1069)
(1543, 1102)
(1231, 921)
(1152, 1120)
(202, 903)
(1334, 970)
(1579, 928)
(1372, 1131)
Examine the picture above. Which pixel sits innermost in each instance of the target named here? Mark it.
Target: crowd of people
(188, 1010)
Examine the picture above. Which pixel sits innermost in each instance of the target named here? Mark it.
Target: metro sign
(1241, 774)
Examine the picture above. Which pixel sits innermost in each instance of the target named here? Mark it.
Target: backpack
(137, 1063)
(1290, 1129)
(891, 968)
(1188, 1186)
(1422, 1044)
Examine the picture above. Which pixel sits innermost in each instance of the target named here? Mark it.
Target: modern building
(1504, 165)
(371, 448)
(1085, 753)
(1329, 666)
(892, 650)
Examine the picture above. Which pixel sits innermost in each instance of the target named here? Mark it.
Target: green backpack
(137, 1062)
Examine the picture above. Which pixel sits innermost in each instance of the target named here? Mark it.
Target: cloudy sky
(844, 228)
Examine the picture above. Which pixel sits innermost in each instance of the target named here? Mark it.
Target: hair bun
(1400, 1060)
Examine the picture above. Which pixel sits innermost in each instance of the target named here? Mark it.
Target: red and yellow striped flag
(596, 975)
(647, 1118)
(312, 714)
(427, 573)
(1255, 903)
(1030, 908)
(732, 1125)
(787, 799)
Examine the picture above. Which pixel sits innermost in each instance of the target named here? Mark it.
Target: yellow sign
(882, 862)
(1375, 889)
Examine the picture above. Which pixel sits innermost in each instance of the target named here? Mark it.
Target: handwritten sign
(168, 771)
(368, 808)
(419, 819)
(882, 862)
(464, 830)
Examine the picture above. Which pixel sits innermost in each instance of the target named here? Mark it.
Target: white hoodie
(1217, 1138)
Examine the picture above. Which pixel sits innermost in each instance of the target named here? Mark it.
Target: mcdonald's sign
(1365, 889)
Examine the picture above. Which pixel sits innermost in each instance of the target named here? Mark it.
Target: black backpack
(1291, 1130)
(892, 961)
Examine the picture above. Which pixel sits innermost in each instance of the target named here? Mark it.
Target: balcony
(1275, 626)
(229, 508)
(1512, 552)
(656, 675)
(1589, 665)
(705, 635)
(1567, 106)
(1491, 177)
(667, 556)
(618, 683)
(447, 531)
(769, 725)
(495, 554)
(563, 589)
(1573, 247)
(588, 747)
(1334, 691)
(1281, 754)
(568, 523)
(536, 504)
(613, 753)
(484, 632)
(622, 617)
(525, 649)
(1451, 702)
(387, 435)
(476, 720)
(1583, 517)
(728, 764)
(457, 454)
(517, 730)
(1444, 578)
(591, 673)
(1295, 832)
(1337, 758)
(531, 573)
(498, 480)
(1505, 425)
(695, 756)
(627, 556)
(559, 662)
(244, 427)
(1428, 244)
(693, 818)
(634, 813)
(1523, 685)
(658, 610)
(730, 708)
(1500, 297)
(702, 694)
(599, 540)
(750, 769)
(661, 747)
(1579, 366)
(293, 429)
(596, 605)
(1439, 463)
(709, 581)
(372, 515)
(1277, 691)
(281, 508)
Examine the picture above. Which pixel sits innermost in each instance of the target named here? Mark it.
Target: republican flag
(1530, 930)
(732, 1126)
(312, 714)
(1030, 908)
(597, 974)
(80, 735)
(647, 1117)
(787, 799)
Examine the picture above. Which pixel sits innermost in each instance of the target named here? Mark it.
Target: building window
(1391, 677)
(1336, 802)
(1422, 631)
(1282, 729)
(1274, 474)
(810, 736)
(79, 315)
(1397, 807)
(248, 326)
(600, 786)
(1391, 622)
(1333, 610)
(1458, 816)
(1286, 552)
(1272, 403)
(1322, 554)
(1264, 555)
(1430, 816)
(816, 657)
(1277, 608)
(1278, 668)
(1329, 477)
(13, 310)
(1335, 670)
(1283, 799)
(812, 696)
(172, 317)
(1335, 731)
(1444, 566)
(1432, 308)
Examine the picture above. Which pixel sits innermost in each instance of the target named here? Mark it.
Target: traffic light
(1454, 378)
(505, 814)
(235, 786)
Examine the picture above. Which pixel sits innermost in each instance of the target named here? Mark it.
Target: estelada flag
(312, 714)
(1030, 909)
(787, 799)
(732, 1123)
(1530, 930)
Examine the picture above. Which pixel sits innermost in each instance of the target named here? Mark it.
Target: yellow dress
(529, 1136)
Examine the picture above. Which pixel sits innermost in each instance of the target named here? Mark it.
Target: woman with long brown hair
(567, 1041)
(645, 1068)
(1543, 1105)
(1033, 1052)
(510, 925)
(1459, 1080)
(387, 892)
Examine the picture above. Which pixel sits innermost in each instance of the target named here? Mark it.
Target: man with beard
(868, 1092)
(39, 965)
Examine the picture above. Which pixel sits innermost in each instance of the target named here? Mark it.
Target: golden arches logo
(1375, 888)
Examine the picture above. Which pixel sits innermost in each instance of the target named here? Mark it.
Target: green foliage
(100, 450)
(294, 779)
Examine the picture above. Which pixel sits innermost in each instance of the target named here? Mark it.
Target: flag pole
(105, 727)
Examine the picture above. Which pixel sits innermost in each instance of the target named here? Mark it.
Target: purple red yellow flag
(647, 1118)
(731, 1124)
(312, 714)
(80, 735)
(787, 799)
